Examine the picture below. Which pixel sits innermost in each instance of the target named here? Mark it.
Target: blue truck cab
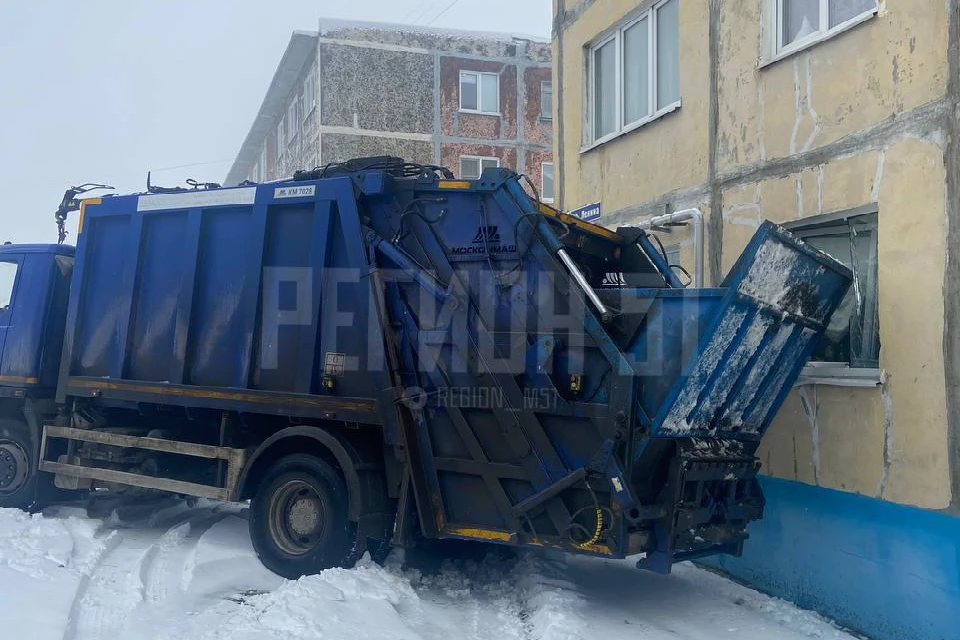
(34, 285)
(376, 352)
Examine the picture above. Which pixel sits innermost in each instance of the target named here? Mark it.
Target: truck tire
(20, 483)
(298, 519)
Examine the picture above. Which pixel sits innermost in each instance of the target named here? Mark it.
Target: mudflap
(711, 495)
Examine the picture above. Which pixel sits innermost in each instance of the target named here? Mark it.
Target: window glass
(489, 163)
(843, 10)
(490, 93)
(468, 91)
(799, 19)
(546, 100)
(668, 54)
(8, 276)
(546, 191)
(605, 89)
(636, 71)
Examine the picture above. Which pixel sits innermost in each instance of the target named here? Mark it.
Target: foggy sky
(105, 90)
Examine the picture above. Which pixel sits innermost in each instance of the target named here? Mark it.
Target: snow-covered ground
(164, 571)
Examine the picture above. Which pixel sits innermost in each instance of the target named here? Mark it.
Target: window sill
(631, 127)
(481, 113)
(837, 374)
(815, 39)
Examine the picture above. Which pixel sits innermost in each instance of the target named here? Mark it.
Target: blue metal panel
(887, 570)
(106, 259)
(157, 299)
(779, 297)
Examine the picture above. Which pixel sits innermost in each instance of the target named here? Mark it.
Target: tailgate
(780, 296)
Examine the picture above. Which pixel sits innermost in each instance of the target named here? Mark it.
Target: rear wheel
(298, 519)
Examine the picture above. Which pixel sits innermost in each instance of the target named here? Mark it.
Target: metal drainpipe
(683, 216)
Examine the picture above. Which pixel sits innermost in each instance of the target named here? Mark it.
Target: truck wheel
(298, 519)
(18, 475)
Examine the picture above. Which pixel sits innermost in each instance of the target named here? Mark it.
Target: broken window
(853, 336)
(800, 22)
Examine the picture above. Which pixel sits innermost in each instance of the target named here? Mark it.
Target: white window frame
(309, 93)
(775, 49)
(480, 160)
(543, 198)
(293, 119)
(479, 109)
(650, 13)
(546, 86)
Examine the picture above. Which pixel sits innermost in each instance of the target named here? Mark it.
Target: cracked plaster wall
(854, 120)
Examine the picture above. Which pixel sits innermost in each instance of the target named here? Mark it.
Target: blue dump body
(533, 379)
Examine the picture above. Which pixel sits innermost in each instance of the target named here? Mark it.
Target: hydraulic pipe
(683, 216)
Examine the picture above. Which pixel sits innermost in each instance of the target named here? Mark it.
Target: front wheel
(298, 519)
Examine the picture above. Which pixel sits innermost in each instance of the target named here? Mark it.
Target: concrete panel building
(465, 100)
(838, 119)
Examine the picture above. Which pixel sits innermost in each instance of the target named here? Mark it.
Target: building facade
(463, 100)
(836, 118)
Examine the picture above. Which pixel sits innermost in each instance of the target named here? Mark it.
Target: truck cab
(34, 285)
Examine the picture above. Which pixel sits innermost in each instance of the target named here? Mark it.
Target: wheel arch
(324, 443)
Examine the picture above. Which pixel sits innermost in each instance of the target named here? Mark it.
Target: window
(8, 277)
(801, 22)
(480, 92)
(853, 336)
(281, 139)
(546, 181)
(309, 93)
(293, 118)
(472, 166)
(546, 100)
(634, 74)
(263, 163)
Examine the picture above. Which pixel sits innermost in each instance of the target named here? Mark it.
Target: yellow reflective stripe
(83, 206)
(480, 534)
(454, 184)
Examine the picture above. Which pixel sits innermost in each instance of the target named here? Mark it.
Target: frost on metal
(782, 277)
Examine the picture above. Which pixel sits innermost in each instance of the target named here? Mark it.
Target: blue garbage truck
(376, 352)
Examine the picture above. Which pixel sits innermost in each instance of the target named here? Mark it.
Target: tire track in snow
(123, 576)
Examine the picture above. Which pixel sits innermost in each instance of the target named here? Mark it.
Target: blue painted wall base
(889, 571)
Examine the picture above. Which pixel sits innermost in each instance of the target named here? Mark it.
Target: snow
(167, 572)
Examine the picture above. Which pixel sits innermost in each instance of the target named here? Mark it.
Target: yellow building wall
(667, 154)
(891, 441)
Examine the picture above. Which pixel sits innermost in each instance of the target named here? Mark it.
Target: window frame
(548, 84)
(543, 181)
(480, 160)
(263, 163)
(775, 49)
(309, 94)
(16, 262)
(479, 110)
(829, 372)
(650, 13)
(293, 119)
(281, 139)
